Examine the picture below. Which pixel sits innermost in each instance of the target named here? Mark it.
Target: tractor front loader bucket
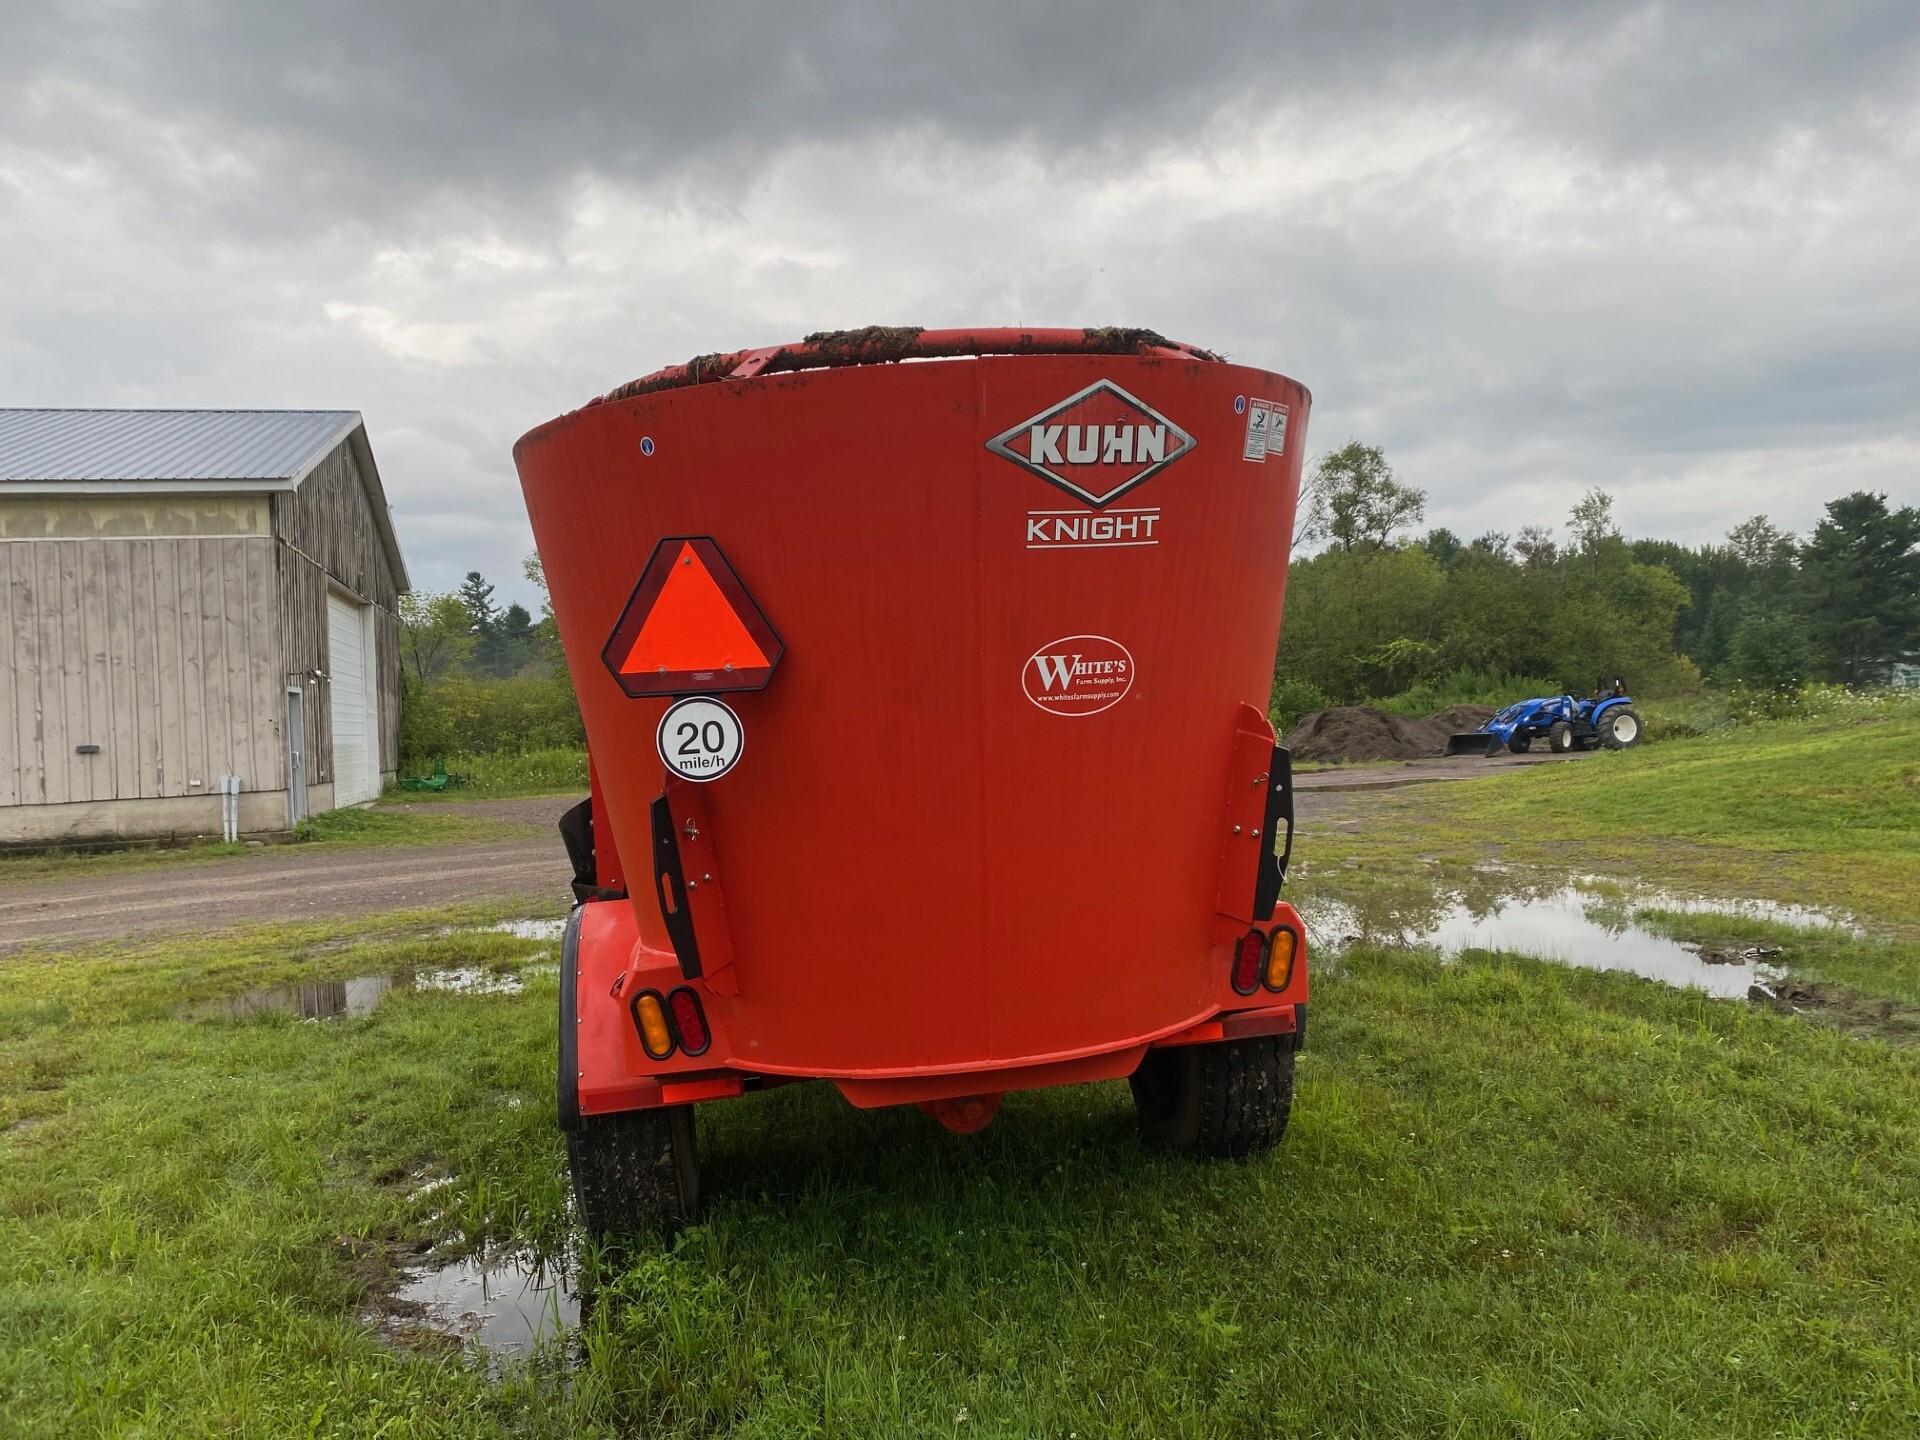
(1473, 742)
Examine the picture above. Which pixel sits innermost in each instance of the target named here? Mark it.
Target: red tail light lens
(1249, 957)
(689, 1021)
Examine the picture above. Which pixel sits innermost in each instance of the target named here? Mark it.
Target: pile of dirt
(1360, 732)
(1460, 717)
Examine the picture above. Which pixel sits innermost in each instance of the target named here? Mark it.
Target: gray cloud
(1663, 249)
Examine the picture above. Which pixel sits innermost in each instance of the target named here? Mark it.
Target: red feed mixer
(924, 677)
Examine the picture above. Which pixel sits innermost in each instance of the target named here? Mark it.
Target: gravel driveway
(524, 859)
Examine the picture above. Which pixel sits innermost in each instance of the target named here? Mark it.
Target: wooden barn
(188, 598)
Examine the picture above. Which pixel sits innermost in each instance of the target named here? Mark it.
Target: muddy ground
(524, 860)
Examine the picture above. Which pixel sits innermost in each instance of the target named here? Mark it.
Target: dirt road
(522, 860)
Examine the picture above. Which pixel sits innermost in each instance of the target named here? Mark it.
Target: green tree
(1355, 502)
(546, 630)
(1535, 547)
(513, 640)
(1860, 587)
(477, 595)
(1354, 618)
(1442, 544)
(1769, 652)
(436, 634)
(1592, 522)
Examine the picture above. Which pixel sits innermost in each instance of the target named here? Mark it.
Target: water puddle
(1569, 925)
(504, 1304)
(1779, 912)
(359, 995)
(548, 930)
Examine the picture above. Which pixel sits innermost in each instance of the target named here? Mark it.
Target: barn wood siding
(327, 534)
(161, 652)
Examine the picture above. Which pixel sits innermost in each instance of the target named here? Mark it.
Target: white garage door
(356, 774)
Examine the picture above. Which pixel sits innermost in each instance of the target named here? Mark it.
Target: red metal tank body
(977, 820)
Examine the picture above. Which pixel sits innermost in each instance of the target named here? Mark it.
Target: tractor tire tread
(1246, 1096)
(1612, 741)
(1228, 1099)
(634, 1169)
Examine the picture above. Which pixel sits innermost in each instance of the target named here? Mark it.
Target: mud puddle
(546, 930)
(1867, 1017)
(502, 1305)
(358, 995)
(1564, 923)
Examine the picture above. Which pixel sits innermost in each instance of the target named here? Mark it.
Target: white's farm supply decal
(1078, 675)
(1097, 444)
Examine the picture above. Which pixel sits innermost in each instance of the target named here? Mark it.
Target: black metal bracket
(1273, 866)
(670, 889)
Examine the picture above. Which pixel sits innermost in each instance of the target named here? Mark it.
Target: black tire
(633, 1170)
(1622, 729)
(1225, 1099)
(1520, 744)
(1560, 737)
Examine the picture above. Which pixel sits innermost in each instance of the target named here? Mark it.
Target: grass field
(558, 771)
(1515, 1200)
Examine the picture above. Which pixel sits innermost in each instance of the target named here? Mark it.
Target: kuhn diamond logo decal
(1095, 445)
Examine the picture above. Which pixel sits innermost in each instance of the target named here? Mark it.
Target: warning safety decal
(1266, 430)
(1078, 675)
(690, 626)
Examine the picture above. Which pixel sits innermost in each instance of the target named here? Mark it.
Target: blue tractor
(1564, 722)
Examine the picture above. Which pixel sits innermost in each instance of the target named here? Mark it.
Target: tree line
(478, 678)
(1384, 611)
(1381, 612)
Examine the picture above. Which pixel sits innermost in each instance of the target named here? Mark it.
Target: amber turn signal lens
(651, 1016)
(1280, 951)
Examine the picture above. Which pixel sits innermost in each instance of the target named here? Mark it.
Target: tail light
(689, 1021)
(1248, 956)
(650, 1019)
(1281, 950)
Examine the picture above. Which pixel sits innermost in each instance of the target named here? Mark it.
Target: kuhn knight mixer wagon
(924, 676)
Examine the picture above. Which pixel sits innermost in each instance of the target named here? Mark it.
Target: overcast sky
(1669, 250)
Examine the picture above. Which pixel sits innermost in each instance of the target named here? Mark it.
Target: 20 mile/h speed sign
(700, 738)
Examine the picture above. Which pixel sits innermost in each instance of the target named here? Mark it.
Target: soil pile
(1360, 732)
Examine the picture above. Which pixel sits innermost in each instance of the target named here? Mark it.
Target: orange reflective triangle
(692, 626)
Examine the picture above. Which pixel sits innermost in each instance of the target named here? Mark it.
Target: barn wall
(328, 537)
(164, 652)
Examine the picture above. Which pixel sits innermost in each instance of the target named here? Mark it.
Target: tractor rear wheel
(1225, 1099)
(1621, 729)
(1520, 744)
(1560, 737)
(636, 1169)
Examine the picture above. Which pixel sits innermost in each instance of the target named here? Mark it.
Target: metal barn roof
(80, 452)
(167, 445)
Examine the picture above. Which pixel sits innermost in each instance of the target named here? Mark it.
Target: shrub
(1293, 699)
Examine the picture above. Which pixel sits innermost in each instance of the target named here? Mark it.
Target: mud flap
(687, 884)
(670, 889)
(1259, 801)
(1272, 873)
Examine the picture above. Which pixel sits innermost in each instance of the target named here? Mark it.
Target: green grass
(1824, 812)
(1515, 1200)
(335, 829)
(378, 825)
(558, 771)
